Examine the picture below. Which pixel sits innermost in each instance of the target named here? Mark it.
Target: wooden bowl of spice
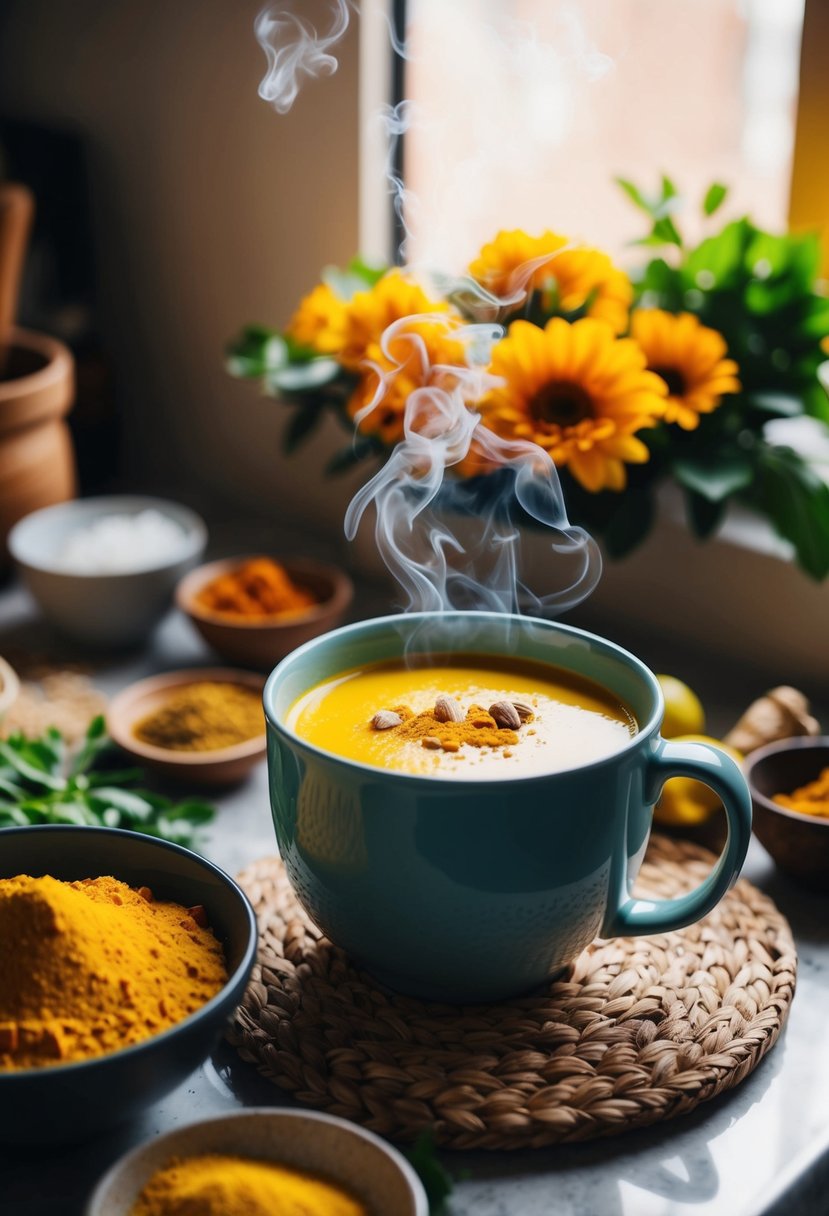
(205, 725)
(256, 609)
(789, 782)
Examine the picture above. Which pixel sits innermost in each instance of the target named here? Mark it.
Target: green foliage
(437, 1182)
(40, 783)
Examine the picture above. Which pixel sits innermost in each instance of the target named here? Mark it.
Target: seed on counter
(505, 715)
(431, 743)
(524, 711)
(385, 719)
(447, 709)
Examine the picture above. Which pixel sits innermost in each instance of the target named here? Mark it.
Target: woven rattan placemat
(640, 1030)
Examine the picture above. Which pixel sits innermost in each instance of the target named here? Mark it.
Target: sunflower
(691, 360)
(419, 355)
(368, 314)
(578, 392)
(571, 277)
(319, 321)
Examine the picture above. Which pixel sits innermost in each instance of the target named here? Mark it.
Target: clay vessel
(37, 461)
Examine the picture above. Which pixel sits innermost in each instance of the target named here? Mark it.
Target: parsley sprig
(41, 781)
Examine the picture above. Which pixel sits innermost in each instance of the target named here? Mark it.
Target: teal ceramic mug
(469, 890)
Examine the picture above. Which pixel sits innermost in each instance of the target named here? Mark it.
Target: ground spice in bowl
(204, 717)
(810, 799)
(217, 1185)
(259, 588)
(94, 966)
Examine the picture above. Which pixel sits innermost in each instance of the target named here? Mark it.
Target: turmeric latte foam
(450, 717)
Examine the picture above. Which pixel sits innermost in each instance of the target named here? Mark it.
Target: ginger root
(781, 714)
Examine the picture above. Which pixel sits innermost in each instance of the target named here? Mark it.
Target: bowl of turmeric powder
(203, 725)
(122, 957)
(256, 609)
(263, 1162)
(789, 782)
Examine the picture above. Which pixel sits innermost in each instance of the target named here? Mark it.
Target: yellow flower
(691, 360)
(370, 313)
(577, 391)
(571, 277)
(319, 321)
(420, 354)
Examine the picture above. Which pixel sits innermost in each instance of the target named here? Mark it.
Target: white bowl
(101, 609)
(331, 1148)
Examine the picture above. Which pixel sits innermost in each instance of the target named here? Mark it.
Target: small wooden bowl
(224, 766)
(798, 843)
(262, 642)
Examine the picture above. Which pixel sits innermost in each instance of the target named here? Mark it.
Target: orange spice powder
(810, 799)
(259, 587)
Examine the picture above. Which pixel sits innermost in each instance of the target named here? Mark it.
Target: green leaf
(304, 421)
(345, 460)
(781, 405)
(665, 231)
(797, 502)
(715, 478)
(302, 377)
(369, 272)
(193, 812)
(635, 195)
(11, 752)
(715, 196)
(255, 352)
(95, 741)
(704, 515)
(125, 801)
(437, 1182)
(630, 522)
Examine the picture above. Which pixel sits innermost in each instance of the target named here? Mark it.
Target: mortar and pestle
(37, 385)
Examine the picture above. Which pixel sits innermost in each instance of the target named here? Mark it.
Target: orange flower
(691, 360)
(420, 354)
(368, 314)
(578, 392)
(319, 321)
(571, 277)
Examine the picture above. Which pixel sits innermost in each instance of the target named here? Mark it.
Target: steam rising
(417, 506)
(449, 545)
(294, 49)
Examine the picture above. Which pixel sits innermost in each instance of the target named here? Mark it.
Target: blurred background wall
(208, 210)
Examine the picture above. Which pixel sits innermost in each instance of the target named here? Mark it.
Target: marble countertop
(759, 1151)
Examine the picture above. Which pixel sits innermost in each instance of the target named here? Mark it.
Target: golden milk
(574, 721)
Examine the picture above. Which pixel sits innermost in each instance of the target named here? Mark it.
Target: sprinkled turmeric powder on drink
(203, 717)
(93, 966)
(260, 587)
(215, 1185)
(810, 799)
(447, 727)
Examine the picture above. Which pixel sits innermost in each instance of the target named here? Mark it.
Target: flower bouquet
(672, 371)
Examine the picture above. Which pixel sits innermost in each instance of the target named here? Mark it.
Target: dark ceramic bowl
(68, 1102)
(798, 843)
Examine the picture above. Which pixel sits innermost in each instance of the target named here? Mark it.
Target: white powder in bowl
(121, 544)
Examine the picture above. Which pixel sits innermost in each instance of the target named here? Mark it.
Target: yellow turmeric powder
(478, 729)
(810, 799)
(203, 717)
(259, 587)
(93, 966)
(215, 1185)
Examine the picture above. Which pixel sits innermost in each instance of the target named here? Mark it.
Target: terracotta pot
(37, 461)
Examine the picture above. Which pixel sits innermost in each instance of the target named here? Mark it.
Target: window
(526, 109)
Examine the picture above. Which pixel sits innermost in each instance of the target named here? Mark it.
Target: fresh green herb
(41, 783)
(437, 1182)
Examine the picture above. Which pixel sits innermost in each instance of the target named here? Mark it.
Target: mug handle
(718, 771)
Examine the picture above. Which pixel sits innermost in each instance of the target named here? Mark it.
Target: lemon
(684, 714)
(685, 800)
